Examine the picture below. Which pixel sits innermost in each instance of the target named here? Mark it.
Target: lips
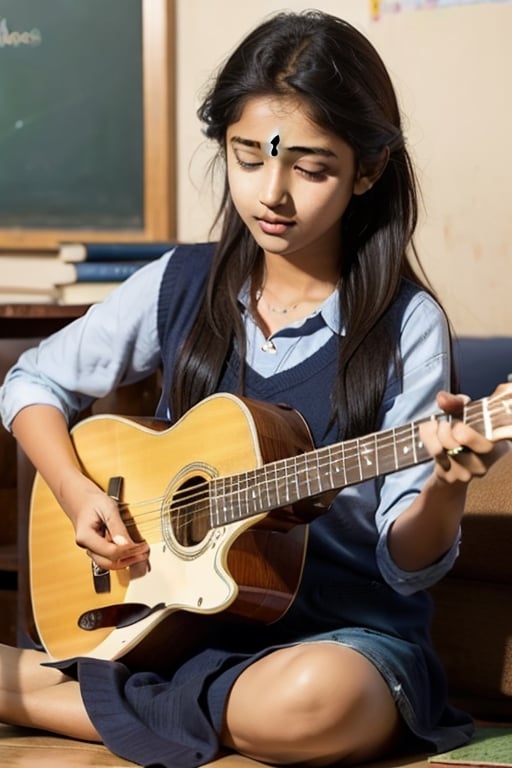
(278, 227)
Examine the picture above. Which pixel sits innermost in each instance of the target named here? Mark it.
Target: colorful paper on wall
(381, 7)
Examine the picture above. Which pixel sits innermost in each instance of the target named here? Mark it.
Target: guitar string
(235, 493)
(198, 513)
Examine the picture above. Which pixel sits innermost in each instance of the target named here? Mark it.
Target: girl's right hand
(99, 528)
(43, 434)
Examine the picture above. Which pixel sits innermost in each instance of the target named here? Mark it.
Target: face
(290, 180)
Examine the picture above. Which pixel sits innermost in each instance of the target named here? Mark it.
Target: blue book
(97, 252)
(106, 271)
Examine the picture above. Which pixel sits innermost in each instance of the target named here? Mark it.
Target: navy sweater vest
(307, 387)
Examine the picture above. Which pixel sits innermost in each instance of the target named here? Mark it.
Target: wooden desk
(22, 321)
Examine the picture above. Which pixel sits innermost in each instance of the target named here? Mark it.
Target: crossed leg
(41, 697)
(311, 704)
(314, 704)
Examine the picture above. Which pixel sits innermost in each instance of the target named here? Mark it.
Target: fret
(279, 483)
(217, 494)
(257, 486)
(404, 451)
(235, 495)
(224, 510)
(295, 481)
(255, 495)
(266, 489)
(334, 464)
(330, 465)
(414, 432)
(212, 506)
(352, 463)
(394, 448)
(242, 495)
(486, 418)
(316, 471)
(345, 456)
(328, 477)
(300, 485)
(368, 456)
(307, 477)
(344, 460)
(286, 484)
(359, 464)
(273, 484)
(387, 452)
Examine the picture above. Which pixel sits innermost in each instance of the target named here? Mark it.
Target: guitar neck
(287, 481)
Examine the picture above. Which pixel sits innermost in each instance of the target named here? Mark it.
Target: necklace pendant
(269, 347)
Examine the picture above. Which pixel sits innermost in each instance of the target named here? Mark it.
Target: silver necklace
(276, 310)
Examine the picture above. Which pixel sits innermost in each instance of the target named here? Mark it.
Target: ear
(369, 173)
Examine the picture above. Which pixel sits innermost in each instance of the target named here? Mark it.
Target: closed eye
(246, 165)
(313, 175)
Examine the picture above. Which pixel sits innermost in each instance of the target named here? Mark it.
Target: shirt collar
(329, 310)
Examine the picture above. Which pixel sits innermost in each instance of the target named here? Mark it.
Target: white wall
(452, 71)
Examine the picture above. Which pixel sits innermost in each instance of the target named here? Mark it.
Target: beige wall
(452, 70)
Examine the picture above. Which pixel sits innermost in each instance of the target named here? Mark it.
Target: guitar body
(249, 568)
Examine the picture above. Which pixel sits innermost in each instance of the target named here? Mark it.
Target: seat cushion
(486, 547)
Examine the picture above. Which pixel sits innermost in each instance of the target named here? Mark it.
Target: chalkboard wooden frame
(159, 193)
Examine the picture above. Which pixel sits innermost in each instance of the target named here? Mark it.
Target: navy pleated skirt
(172, 719)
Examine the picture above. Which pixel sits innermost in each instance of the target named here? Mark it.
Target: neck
(274, 309)
(285, 282)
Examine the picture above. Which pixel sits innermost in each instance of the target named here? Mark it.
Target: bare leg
(315, 704)
(41, 697)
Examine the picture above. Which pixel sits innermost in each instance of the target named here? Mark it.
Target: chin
(273, 243)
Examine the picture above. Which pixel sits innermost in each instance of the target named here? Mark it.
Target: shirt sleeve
(114, 343)
(425, 354)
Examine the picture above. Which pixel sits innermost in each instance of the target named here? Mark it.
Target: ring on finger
(455, 451)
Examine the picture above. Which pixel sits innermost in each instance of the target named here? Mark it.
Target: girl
(309, 299)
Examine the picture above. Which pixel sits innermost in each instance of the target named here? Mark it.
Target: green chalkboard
(71, 114)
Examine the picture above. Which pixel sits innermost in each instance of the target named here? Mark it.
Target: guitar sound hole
(190, 512)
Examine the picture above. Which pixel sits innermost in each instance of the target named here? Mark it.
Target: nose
(274, 187)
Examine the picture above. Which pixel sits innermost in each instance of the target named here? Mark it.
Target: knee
(317, 693)
(312, 700)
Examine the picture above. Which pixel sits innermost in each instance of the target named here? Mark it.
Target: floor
(23, 748)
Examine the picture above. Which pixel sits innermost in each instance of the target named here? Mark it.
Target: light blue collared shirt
(117, 342)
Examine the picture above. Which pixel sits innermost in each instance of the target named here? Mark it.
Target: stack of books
(78, 273)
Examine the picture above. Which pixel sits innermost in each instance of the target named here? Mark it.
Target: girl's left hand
(459, 452)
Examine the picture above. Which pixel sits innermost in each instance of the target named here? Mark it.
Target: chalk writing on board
(15, 38)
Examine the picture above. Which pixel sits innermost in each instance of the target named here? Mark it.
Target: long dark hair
(344, 85)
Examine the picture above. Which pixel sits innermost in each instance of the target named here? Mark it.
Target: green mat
(489, 747)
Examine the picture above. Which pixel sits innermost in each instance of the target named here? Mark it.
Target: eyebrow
(312, 151)
(302, 150)
(245, 142)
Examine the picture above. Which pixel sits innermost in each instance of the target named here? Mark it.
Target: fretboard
(286, 481)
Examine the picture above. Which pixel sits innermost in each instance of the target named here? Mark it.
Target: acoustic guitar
(223, 498)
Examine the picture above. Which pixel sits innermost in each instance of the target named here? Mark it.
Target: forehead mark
(273, 143)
